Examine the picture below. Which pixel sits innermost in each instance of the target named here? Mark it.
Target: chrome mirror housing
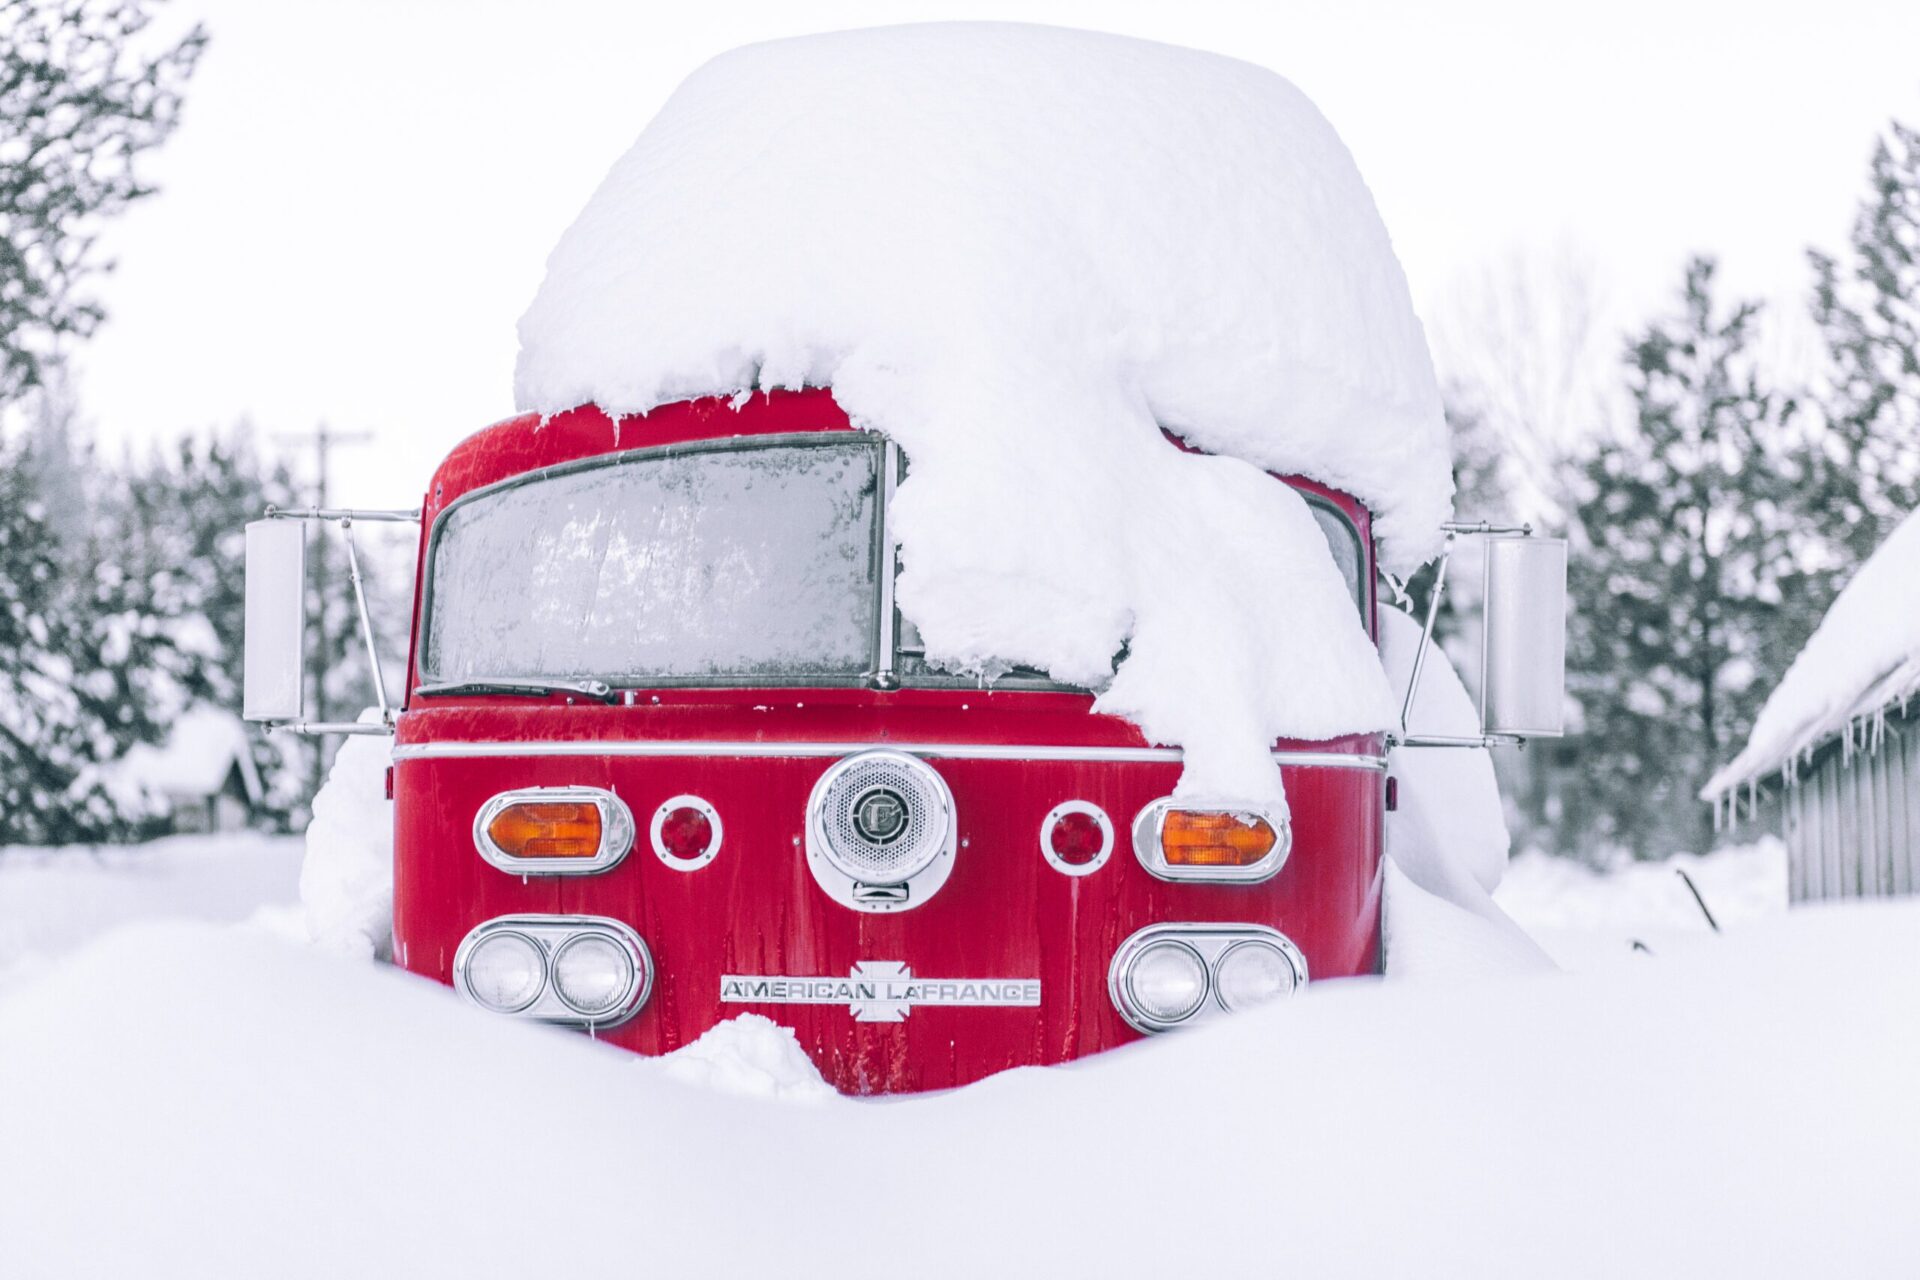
(275, 682)
(1523, 654)
(1523, 638)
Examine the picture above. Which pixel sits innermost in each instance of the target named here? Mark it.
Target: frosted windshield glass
(1345, 545)
(744, 563)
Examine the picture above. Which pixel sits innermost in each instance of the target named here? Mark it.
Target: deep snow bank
(1447, 842)
(1747, 1109)
(1022, 251)
(346, 881)
(55, 899)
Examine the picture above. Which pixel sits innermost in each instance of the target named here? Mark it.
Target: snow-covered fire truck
(668, 752)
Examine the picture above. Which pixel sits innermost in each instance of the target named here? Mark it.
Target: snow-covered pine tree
(1868, 311)
(80, 103)
(191, 504)
(1693, 589)
(50, 742)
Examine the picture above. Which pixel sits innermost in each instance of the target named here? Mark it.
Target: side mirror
(276, 644)
(1523, 655)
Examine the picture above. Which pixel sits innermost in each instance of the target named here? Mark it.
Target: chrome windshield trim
(833, 750)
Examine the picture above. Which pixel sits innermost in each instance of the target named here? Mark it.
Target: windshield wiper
(507, 684)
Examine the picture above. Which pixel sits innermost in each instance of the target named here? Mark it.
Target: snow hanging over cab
(1026, 254)
(1863, 658)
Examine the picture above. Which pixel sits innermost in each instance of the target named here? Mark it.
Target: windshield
(749, 561)
(1343, 540)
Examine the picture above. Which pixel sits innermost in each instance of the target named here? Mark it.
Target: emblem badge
(880, 815)
(881, 991)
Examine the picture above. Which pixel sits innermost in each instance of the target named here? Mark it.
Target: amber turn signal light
(547, 829)
(1190, 838)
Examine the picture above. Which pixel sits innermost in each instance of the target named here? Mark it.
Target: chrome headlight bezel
(552, 934)
(1211, 942)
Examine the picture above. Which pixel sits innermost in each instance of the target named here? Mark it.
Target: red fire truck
(668, 753)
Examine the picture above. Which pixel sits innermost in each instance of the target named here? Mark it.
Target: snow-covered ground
(52, 900)
(198, 1099)
(1588, 919)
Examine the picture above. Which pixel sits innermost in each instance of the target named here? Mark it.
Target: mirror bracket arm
(1481, 741)
(1426, 631)
(317, 727)
(366, 626)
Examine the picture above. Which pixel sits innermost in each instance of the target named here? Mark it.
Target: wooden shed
(202, 779)
(1835, 753)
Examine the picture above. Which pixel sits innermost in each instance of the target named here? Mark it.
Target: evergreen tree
(1869, 314)
(1694, 587)
(50, 743)
(180, 584)
(78, 109)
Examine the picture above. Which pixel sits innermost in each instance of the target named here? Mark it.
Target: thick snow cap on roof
(1022, 252)
(1864, 657)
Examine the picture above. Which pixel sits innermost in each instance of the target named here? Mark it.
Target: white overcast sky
(361, 199)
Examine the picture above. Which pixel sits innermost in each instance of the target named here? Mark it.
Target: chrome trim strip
(834, 750)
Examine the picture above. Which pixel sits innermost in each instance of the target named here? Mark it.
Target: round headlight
(506, 972)
(593, 974)
(1168, 981)
(1251, 973)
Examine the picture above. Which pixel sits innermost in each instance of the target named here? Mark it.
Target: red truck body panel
(1008, 757)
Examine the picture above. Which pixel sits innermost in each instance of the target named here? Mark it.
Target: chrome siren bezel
(843, 884)
(616, 831)
(1151, 820)
(551, 933)
(1212, 942)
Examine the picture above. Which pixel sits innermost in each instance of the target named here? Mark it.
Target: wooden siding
(1852, 823)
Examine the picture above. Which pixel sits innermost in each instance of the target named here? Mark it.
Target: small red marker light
(686, 833)
(1077, 838)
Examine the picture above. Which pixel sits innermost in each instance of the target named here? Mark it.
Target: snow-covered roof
(201, 748)
(1021, 252)
(1863, 659)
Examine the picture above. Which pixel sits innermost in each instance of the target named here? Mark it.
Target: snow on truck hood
(1021, 252)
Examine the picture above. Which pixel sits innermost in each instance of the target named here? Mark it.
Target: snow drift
(1746, 1109)
(1022, 252)
(1447, 843)
(346, 881)
(1864, 656)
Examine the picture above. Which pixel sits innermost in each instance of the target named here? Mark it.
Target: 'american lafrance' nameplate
(880, 991)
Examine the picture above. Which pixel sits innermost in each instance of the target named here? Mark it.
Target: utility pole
(323, 440)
